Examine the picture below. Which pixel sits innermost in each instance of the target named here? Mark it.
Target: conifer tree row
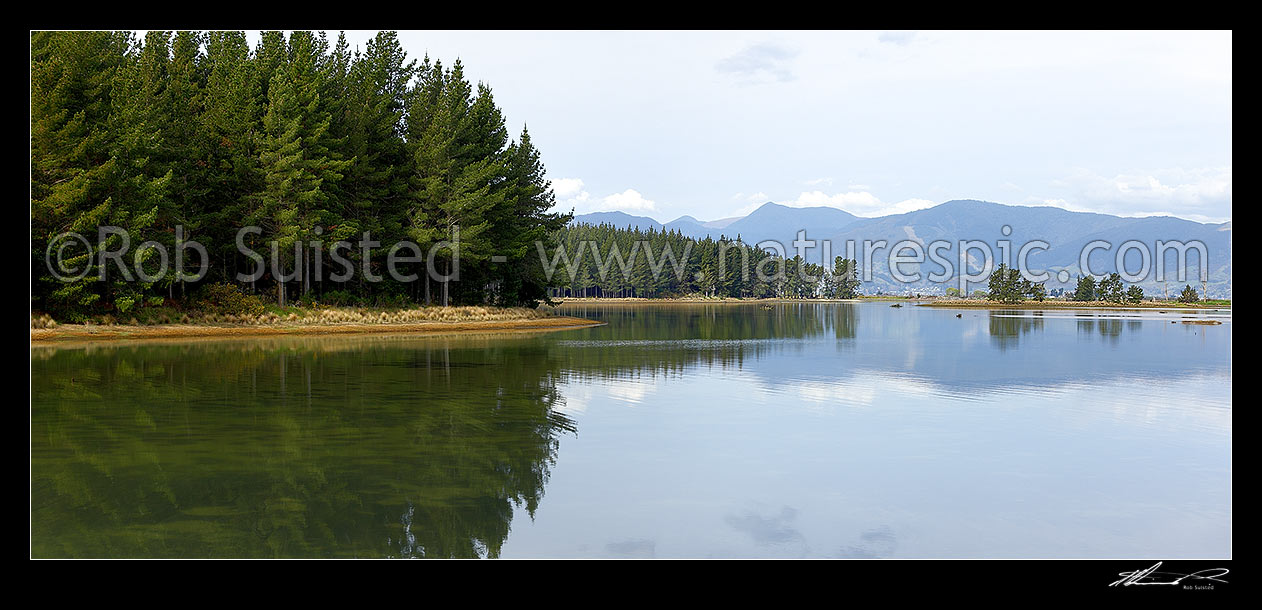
(607, 261)
(304, 137)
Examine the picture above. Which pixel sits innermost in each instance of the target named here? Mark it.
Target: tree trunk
(446, 273)
(306, 274)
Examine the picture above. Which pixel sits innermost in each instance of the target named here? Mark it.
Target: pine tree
(229, 129)
(525, 219)
(1110, 289)
(456, 193)
(301, 137)
(844, 281)
(73, 155)
(376, 185)
(296, 160)
(1086, 290)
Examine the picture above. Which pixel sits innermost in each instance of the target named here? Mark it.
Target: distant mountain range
(1065, 232)
(770, 221)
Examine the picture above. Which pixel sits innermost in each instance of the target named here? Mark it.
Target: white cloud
(628, 200)
(566, 188)
(898, 38)
(911, 205)
(859, 203)
(966, 110)
(1197, 194)
(819, 181)
(745, 210)
(757, 61)
(570, 194)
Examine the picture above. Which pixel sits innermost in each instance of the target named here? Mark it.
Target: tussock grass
(356, 315)
(313, 316)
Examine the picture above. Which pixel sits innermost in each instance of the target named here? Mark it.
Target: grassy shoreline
(315, 321)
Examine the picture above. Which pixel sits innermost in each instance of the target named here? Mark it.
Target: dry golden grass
(352, 315)
(164, 331)
(319, 320)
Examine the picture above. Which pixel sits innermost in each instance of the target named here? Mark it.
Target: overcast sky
(712, 124)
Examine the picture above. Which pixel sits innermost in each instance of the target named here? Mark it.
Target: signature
(1151, 576)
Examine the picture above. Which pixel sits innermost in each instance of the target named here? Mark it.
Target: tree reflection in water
(331, 446)
(289, 448)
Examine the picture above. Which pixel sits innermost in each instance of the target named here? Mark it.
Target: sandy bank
(78, 332)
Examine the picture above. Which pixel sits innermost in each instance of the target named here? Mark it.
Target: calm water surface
(810, 430)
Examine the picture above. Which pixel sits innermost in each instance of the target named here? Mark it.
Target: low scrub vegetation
(224, 304)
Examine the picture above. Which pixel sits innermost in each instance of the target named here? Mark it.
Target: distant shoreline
(922, 302)
(79, 332)
(1143, 305)
(665, 301)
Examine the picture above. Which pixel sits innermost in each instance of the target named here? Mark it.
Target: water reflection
(639, 549)
(381, 446)
(769, 529)
(821, 345)
(873, 544)
(1006, 327)
(265, 449)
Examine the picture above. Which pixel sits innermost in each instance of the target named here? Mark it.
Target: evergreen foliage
(1086, 290)
(607, 261)
(306, 139)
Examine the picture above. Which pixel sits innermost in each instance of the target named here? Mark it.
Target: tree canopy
(302, 136)
(607, 261)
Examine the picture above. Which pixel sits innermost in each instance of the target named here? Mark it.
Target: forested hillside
(302, 136)
(606, 261)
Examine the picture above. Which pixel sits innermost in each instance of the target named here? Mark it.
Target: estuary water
(819, 430)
